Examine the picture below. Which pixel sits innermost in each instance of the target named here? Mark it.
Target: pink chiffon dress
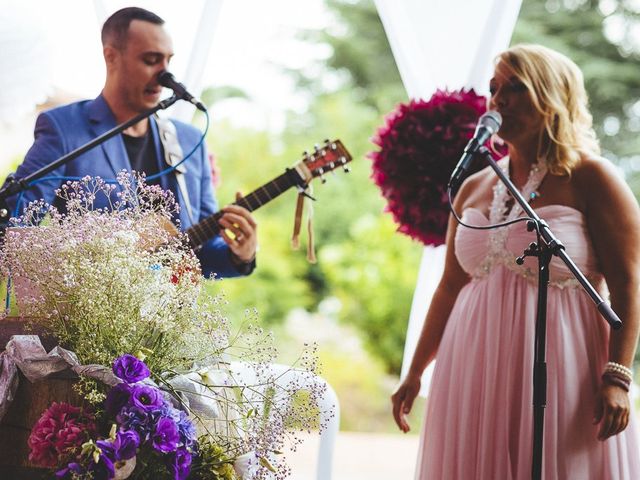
(479, 418)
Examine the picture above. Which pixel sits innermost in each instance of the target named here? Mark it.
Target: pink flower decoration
(420, 144)
(58, 434)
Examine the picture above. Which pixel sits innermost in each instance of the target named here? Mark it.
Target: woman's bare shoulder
(593, 169)
(602, 184)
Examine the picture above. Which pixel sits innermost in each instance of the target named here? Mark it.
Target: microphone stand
(14, 186)
(546, 246)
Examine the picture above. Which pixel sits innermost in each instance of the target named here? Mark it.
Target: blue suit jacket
(63, 129)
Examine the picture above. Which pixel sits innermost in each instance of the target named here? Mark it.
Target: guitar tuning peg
(326, 142)
(334, 146)
(343, 161)
(322, 179)
(316, 147)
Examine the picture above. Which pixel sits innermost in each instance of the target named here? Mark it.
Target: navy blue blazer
(63, 129)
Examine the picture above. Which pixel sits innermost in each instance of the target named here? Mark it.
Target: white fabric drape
(25, 70)
(209, 18)
(443, 44)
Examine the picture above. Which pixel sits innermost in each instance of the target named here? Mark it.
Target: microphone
(166, 79)
(488, 124)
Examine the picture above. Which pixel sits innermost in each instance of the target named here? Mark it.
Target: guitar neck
(208, 228)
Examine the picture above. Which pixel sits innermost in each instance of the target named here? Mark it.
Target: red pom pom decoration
(420, 145)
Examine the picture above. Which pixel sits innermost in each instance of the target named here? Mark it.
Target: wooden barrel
(31, 400)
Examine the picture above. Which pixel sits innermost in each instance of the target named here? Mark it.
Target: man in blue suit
(136, 49)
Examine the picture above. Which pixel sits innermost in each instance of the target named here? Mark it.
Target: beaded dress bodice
(480, 251)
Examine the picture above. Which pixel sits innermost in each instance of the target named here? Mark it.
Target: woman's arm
(613, 220)
(453, 279)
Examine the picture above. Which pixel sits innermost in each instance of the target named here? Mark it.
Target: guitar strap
(173, 154)
(304, 196)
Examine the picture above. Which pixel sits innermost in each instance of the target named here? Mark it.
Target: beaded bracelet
(618, 368)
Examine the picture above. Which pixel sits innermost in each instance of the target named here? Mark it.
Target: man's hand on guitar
(239, 230)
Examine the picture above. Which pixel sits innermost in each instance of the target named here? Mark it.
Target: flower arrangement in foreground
(125, 296)
(420, 144)
(145, 430)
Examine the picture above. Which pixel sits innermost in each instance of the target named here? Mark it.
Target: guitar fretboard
(208, 228)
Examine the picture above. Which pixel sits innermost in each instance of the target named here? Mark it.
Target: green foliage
(246, 161)
(348, 218)
(363, 389)
(213, 462)
(577, 29)
(374, 275)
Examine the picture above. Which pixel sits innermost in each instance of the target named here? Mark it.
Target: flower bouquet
(153, 356)
(145, 430)
(419, 146)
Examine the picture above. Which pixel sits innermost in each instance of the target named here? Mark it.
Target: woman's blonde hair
(556, 88)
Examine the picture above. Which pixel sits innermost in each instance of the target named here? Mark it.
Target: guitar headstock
(324, 158)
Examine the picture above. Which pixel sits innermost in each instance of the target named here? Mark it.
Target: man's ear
(110, 54)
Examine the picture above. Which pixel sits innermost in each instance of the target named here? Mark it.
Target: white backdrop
(443, 44)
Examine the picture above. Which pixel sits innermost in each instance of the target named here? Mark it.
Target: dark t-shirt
(142, 155)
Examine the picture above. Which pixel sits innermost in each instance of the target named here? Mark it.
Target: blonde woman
(480, 325)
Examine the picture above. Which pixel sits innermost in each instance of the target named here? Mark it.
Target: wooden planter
(31, 400)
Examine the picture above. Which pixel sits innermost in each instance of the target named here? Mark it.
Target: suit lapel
(101, 121)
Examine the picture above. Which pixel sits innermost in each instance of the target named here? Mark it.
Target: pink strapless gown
(479, 417)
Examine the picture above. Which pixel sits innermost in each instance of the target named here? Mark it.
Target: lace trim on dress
(499, 212)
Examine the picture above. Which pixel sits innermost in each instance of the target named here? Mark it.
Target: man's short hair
(116, 28)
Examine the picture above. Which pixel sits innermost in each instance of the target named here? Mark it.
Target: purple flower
(123, 447)
(186, 428)
(104, 469)
(179, 465)
(117, 398)
(146, 397)
(126, 444)
(132, 418)
(165, 437)
(130, 369)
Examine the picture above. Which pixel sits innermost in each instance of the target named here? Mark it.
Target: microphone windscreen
(491, 120)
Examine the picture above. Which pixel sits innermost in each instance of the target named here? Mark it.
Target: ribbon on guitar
(304, 196)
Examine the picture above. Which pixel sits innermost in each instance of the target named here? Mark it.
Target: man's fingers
(239, 212)
(236, 223)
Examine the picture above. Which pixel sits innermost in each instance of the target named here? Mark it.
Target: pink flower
(58, 434)
(420, 144)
